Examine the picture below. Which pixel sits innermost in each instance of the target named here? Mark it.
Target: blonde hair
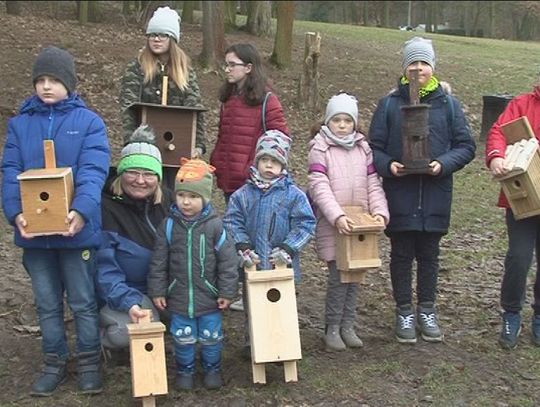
(116, 189)
(178, 66)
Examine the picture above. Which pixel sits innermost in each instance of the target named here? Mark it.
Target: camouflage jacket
(134, 90)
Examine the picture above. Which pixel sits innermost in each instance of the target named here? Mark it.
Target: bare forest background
(511, 20)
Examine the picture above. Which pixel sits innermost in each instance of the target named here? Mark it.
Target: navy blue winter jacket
(129, 234)
(80, 140)
(421, 202)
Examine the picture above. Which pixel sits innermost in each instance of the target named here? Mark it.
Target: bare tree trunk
(83, 12)
(13, 8)
(230, 15)
(365, 13)
(126, 8)
(428, 16)
(308, 92)
(282, 54)
(219, 32)
(213, 34)
(386, 14)
(187, 12)
(491, 20)
(259, 18)
(93, 11)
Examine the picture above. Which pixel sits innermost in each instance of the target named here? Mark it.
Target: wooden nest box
(273, 321)
(148, 365)
(46, 195)
(359, 251)
(175, 128)
(521, 184)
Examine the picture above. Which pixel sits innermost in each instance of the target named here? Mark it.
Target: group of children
(197, 257)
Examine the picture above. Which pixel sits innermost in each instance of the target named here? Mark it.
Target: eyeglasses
(231, 65)
(132, 175)
(157, 36)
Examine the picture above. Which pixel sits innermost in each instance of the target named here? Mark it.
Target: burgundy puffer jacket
(240, 126)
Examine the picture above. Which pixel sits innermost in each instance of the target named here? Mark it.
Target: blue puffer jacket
(80, 140)
(280, 217)
(421, 202)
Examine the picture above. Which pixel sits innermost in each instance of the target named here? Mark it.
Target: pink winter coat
(340, 177)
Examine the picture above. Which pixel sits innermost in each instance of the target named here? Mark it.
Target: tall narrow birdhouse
(358, 252)
(175, 128)
(46, 195)
(148, 365)
(273, 321)
(415, 131)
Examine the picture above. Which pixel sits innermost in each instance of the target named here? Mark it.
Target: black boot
(52, 375)
(89, 370)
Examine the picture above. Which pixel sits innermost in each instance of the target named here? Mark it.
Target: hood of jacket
(35, 105)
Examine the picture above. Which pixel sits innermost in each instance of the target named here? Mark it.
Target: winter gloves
(278, 257)
(248, 258)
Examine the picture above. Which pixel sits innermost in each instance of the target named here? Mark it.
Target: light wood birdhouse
(273, 321)
(148, 364)
(46, 195)
(521, 184)
(358, 252)
(175, 128)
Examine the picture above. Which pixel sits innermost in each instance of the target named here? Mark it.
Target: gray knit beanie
(418, 49)
(164, 21)
(141, 152)
(342, 103)
(275, 144)
(58, 63)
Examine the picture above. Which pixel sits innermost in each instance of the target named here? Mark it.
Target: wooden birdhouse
(175, 128)
(415, 131)
(358, 252)
(521, 184)
(46, 195)
(148, 365)
(273, 321)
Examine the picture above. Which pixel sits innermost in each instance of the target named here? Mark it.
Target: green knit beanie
(140, 152)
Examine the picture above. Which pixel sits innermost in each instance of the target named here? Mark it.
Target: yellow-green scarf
(431, 86)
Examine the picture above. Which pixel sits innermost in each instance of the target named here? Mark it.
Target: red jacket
(240, 126)
(527, 104)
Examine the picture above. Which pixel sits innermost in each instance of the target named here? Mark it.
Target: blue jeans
(523, 241)
(52, 271)
(206, 330)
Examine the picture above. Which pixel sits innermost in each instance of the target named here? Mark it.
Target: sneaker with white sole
(428, 323)
(511, 328)
(405, 320)
(238, 305)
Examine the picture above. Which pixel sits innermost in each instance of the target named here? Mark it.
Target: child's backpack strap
(169, 229)
(265, 102)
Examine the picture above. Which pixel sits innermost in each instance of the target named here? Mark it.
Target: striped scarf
(256, 179)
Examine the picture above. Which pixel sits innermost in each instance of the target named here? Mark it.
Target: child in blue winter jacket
(67, 262)
(270, 218)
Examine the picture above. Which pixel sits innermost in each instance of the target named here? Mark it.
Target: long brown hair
(177, 68)
(256, 82)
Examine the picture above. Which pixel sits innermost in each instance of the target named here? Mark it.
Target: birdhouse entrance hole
(273, 295)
